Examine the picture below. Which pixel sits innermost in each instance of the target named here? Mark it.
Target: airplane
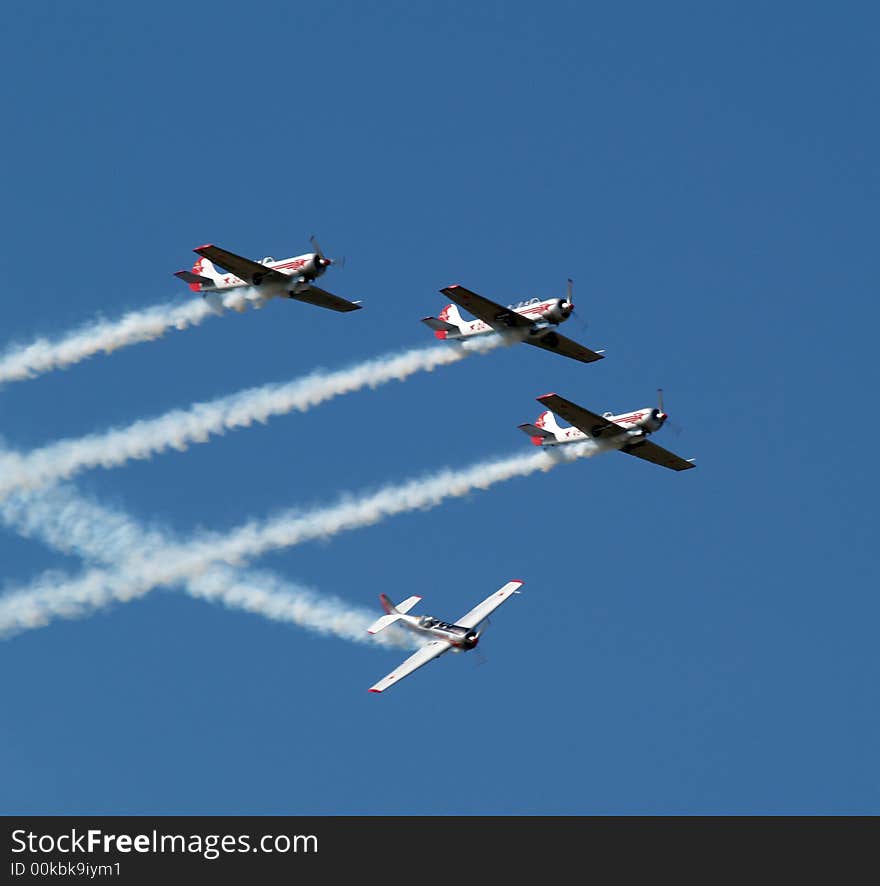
(459, 637)
(534, 321)
(627, 432)
(290, 277)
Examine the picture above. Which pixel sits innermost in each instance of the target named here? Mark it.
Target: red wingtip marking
(440, 333)
(375, 690)
(545, 396)
(206, 246)
(537, 441)
(518, 581)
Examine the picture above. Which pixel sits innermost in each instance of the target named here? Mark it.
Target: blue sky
(685, 643)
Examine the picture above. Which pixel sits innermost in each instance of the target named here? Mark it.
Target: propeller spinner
(322, 260)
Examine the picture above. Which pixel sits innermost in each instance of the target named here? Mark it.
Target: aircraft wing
(489, 605)
(247, 269)
(497, 316)
(314, 295)
(650, 451)
(591, 424)
(559, 344)
(427, 653)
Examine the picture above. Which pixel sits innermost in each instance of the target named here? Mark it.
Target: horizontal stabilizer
(381, 623)
(407, 604)
(537, 434)
(439, 325)
(190, 277)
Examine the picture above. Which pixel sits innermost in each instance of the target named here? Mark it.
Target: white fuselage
(461, 638)
(635, 425)
(543, 313)
(301, 268)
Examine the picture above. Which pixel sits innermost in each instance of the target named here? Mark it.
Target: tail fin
(544, 429)
(546, 421)
(449, 320)
(203, 275)
(392, 612)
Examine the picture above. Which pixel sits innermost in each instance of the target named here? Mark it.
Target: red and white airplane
(627, 432)
(290, 277)
(533, 321)
(459, 637)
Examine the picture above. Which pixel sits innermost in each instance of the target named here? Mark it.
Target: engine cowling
(653, 421)
(557, 311)
(313, 267)
(471, 638)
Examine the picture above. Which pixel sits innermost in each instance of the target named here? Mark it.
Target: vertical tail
(449, 320)
(547, 421)
(450, 314)
(204, 267)
(202, 276)
(545, 429)
(392, 612)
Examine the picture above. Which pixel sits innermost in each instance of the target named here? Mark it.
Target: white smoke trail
(181, 427)
(142, 571)
(73, 524)
(43, 355)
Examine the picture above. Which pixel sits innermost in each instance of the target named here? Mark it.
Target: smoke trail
(43, 355)
(142, 571)
(73, 524)
(181, 427)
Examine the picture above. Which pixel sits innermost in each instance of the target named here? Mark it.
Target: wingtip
(375, 690)
(205, 246)
(543, 397)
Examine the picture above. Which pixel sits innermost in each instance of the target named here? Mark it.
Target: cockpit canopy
(428, 621)
(267, 260)
(525, 303)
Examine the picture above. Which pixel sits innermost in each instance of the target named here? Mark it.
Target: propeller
(323, 260)
(480, 658)
(675, 427)
(569, 298)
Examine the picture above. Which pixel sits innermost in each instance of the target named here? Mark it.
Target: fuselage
(542, 312)
(308, 266)
(635, 425)
(460, 637)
